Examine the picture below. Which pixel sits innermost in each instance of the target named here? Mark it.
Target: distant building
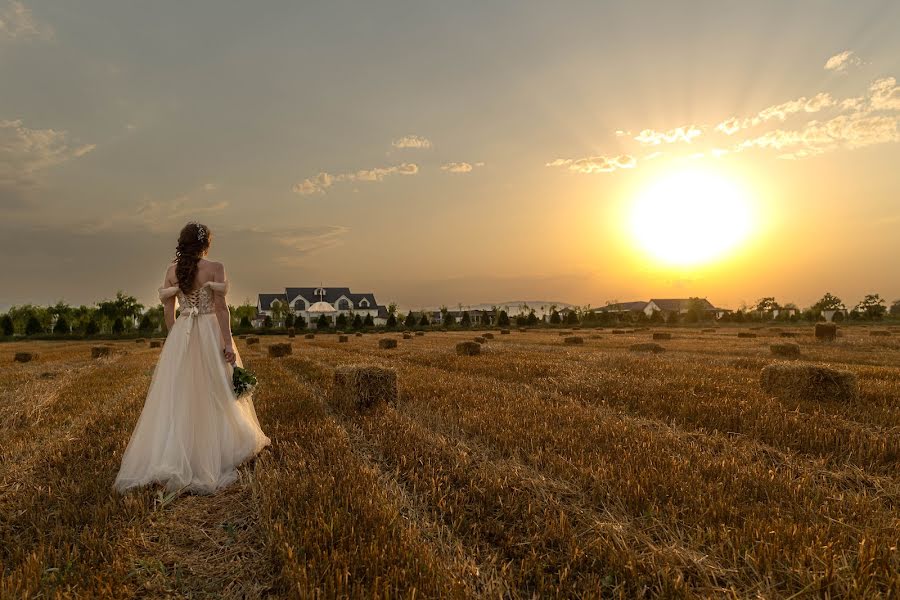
(677, 306)
(297, 300)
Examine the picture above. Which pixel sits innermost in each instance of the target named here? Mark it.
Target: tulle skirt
(192, 432)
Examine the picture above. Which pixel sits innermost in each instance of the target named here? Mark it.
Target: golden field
(537, 469)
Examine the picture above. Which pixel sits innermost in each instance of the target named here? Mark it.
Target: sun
(691, 217)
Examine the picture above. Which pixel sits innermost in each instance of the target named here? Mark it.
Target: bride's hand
(230, 358)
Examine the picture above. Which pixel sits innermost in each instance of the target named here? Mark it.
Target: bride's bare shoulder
(214, 267)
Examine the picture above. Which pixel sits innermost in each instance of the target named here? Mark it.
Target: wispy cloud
(25, 153)
(412, 141)
(842, 61)
(17, 23)
(460, 167)
(595, 164)
(884, 94)
(650, 137)
(321, 182)
(157, 215)
(779, 112)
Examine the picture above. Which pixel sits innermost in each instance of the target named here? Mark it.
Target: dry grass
(537, 470)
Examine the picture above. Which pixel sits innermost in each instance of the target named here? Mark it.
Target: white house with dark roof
(298, 300)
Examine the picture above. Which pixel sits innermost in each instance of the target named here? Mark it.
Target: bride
(193, 432)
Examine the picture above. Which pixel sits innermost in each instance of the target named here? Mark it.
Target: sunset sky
(450, 152)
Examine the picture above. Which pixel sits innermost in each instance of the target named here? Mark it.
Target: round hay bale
(407, 336)
(359, 388)
(880, 333)
(488, 336)
(100, 351)
(251, 341)
(574, 340)
(746, 334)
(785, 349)
(309, 336)
(662, 335)
(788, 334)
(279, 350)
(156, 343)
(140, 341)
(468, 348)
(420, 333)
(343, 339)
(480, 339)
(388, 343)
(504, 332)
(647, 347)
(826, 332)
(24, 357)
(790, 381)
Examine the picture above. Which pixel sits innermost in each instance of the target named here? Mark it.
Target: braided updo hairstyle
(193, 242)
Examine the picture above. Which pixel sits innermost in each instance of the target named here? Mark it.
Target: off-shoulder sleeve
(220, 287)
(167, 292)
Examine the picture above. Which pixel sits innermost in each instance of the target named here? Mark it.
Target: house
(680, 306)
(625, 307)
(298, 300)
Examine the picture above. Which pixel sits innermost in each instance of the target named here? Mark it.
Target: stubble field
(537, 469)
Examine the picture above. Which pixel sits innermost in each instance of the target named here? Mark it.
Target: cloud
(412, 141)
(884, 94)
(17, 24)
(26, 153)
(842, 61)
(156, 215)
(779, 112)
(321, 182)
(460, 167)
(595, 164)
(650, 137)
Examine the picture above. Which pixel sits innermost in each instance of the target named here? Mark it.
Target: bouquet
(244, 382)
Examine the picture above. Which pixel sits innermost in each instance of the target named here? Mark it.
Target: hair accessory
(201, 231)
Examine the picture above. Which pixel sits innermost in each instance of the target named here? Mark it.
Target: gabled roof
(265, 300)
(679, 304)
(357, 298)
(382, 312)
(309, 294)
(639, 305)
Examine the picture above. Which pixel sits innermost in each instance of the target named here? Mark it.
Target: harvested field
(537, 469)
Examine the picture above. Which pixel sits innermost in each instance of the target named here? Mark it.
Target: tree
(289, 320)
(33, 327)
(531, 319)
(118, 326)
(357, 321)
(872, 306)
(267, 322)
(245, 323)
(449, 319)
(61, 327)
(423, 322)
(391, 321)
(410, 320)
(828, 302)
(6, 326)
(895, 308)
(299, 322)
(322, 322)
(146, 325)
(341, 321)
(572, 318)
(503, 319)
(368, 321)
(92, 328)
(767, 305)
(465, 320)
(555, 318)
(696, 310)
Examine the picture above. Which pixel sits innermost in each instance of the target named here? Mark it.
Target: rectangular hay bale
(361, 387)
(791, 381)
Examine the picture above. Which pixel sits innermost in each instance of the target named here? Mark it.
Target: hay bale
(807, 382)
(279, 350)
(522, 330)
(746, 334)
(407, 336)
(618, 331)
(504, 332)
(292, 332)
(788, 334)
(647, 347)
(488, 336)
(242, 337)
(100, 351)
(785, 349)
(309, 336)
(362, 387)
(24, 357)
(595, 336)
(140, 341)
(420, 333)
(480, 339)
(880, 333)
(358, 334)
(662, 335)
(708, 330)
(574, 340)
(252, 341)
(156, 343)
(342, 339)
(468, 348)
(387, 343)
(826, 332)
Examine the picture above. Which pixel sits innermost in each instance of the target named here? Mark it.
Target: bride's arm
(169, 303)
(223, 314)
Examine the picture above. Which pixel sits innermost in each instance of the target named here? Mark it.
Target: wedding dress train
(192, 432)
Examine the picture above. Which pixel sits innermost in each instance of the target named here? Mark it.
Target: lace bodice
(200, 301)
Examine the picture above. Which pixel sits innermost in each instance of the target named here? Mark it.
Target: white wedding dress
(192, 432)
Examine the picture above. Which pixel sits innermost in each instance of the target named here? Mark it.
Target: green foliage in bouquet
(243, 381)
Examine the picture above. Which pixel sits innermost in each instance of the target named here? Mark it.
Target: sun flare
(691, 217)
